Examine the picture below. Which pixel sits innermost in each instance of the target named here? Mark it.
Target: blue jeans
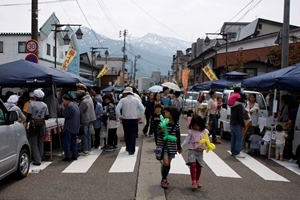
(86, 139)
(130, 127)
(236, 139)
(214, 125)
(69, 142)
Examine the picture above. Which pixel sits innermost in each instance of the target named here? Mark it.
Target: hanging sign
(210, 73)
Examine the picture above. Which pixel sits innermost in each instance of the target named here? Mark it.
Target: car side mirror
(12, 116)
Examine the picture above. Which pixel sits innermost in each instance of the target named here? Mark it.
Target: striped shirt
(171, 146)
(71, 113)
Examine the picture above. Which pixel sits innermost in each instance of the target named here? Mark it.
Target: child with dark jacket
(155, 120)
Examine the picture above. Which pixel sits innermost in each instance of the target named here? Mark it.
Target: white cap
(13, 99)
(38, 93)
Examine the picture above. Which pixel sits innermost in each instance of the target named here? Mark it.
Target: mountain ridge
(156, 51)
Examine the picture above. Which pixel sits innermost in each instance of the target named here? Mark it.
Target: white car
(224, 121)
(14, 146)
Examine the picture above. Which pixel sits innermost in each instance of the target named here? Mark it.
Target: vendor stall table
(52, 127)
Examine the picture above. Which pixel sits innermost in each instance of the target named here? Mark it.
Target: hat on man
(38, 93)
(13, 99)
(31, 94)
(128, 90)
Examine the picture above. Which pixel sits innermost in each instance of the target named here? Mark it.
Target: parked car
(203, 100)
(14, 146)
(296, 141)
(190, 102)
(224, 121)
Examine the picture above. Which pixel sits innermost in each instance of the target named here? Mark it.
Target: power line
(43, 2)
(88, 23)
(157, 20)
(107, 14)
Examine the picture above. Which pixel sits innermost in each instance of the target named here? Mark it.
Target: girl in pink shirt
(196, 132)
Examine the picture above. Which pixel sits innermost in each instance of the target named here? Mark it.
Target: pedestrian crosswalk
(125, 163)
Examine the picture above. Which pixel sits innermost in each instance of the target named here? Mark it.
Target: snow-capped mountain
(156, 51)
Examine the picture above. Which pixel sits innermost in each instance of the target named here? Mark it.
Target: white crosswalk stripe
(83, 163)
(124, 162)
(218, 166)
(260, 169)
(38, 169)
(179, 166)
(290, 166)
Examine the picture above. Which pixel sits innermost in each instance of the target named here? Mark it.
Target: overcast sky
(183, 19)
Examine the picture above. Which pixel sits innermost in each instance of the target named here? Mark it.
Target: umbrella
(155, 89)
(171, 86)
(108, 89)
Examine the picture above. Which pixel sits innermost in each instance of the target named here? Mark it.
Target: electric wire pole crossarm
(66, 38)
(224, 37)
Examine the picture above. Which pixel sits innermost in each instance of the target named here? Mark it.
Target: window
(21, 47)
(53, 51)
(251, 72)
(48, 50)
(259, 26)
(1, 47)
(231, 36)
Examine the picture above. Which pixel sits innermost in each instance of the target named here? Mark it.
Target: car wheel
(298, 155)
(23, 164)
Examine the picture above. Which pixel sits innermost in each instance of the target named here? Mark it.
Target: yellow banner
(103, 71)
(185, 79)
(210, 73)
(68, 59)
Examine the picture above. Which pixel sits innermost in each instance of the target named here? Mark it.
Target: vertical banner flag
(103, 71)
(210, 73)
(185, 79)
(121, 78)
(68, 59)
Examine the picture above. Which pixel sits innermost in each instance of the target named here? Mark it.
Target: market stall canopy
(24, 73)
(283, 79)
(85, 81)
(108, 89)
(219, 85)
(171, 86)
(155, 88)
(235, 74)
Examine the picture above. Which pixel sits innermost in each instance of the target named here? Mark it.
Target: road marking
(83, 163)
(38, 169)
(178, 165)
(260, 169)
(218, 166)
(124, 162)
(290, 166)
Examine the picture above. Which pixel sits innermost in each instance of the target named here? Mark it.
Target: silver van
(190, 102)
(224, 121)
(14, 146)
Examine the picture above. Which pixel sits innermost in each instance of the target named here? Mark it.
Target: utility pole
(134, 68)
(124, 55)
(34, 20)
(285, 34)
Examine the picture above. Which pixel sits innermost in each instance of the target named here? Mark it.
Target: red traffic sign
(31, 46)
(32, 58)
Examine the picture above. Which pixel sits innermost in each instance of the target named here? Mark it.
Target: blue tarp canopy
(85, 81)
(287, 78)
(108, 89)
(217, 85)
(23, 73)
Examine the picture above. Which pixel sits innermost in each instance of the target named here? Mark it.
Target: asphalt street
(116, 175)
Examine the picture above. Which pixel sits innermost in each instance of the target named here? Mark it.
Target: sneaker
(130, 153)
(194, 186)
(85, 153)
(216, 141)
(293, 161)
(164, 184)
(116, 147)
(281, 159)
(74, 157)
(240, 155)
(110, 148)
(199, 184)
(150, 135)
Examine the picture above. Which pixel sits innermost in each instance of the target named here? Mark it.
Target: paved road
(116, 175)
